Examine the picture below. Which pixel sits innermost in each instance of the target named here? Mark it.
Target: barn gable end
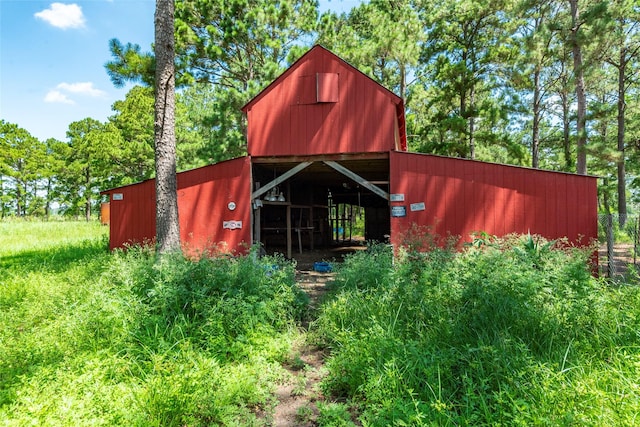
(323, 105)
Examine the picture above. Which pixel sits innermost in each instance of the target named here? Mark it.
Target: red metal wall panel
(462, 197)
(204, 195)
(133, 219)
(287, 119)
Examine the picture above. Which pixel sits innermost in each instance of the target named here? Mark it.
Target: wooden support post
(350, 221)
(312, 225)
(289, 253)
(257, 238)
(343, 213)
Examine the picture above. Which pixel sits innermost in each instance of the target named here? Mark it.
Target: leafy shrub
(366, 269)
(221, 304)
(505, 333)
(92, 338)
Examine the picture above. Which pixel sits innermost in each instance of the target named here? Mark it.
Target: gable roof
(318, 50)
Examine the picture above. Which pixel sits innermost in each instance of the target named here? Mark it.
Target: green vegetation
(95, 338)
(508, 332)
(495, 81)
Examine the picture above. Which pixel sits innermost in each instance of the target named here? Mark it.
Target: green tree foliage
(21, 159)
(467, 100)
(130, 64)
(370, 39)
(50, 167)
(621, 52)
(205, 135)
(87, 156)
(532, 73)
(236, 46)
(133, 154)
(239, 47)
(492, 80)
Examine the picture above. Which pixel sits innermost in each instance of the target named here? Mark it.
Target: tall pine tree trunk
(47, 205)
(581, 130)
(622, 188)
(167, 224)
(87, 203)
(535, 137)
(403, 81)
(463, 114)
(566, 132)
(472, 123)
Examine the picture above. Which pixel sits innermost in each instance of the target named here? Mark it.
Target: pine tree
(167, 222)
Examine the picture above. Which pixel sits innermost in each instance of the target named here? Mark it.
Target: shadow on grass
(18, 361)
(56, 259)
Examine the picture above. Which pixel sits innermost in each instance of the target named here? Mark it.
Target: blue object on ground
(322, 267)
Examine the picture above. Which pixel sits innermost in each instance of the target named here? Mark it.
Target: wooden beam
(319, 158)
(288, 174)
(357, 178)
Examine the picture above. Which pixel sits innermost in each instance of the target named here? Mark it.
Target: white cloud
(62, 91)
(82, 88)
(57, 97)
(63, 16)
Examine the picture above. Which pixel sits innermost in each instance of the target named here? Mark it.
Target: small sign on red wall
(398, 211)
(231, 225)
(417, 207)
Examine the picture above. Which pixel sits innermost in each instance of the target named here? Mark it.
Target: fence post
(609, 232)
(636, 228)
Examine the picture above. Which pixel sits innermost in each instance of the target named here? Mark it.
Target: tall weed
(92, 338)
(507, 333)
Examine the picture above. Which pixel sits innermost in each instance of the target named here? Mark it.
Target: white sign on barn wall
(231, 225)
(417, 207)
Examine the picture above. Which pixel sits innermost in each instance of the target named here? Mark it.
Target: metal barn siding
(132, 214)
(322, 128)
(459, 197)
(322, 105)
(213, 206)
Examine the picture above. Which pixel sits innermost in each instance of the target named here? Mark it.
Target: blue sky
(52, 56)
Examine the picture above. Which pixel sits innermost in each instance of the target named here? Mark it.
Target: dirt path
(298, 397)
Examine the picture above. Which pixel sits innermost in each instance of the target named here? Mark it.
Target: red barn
(326, 142)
